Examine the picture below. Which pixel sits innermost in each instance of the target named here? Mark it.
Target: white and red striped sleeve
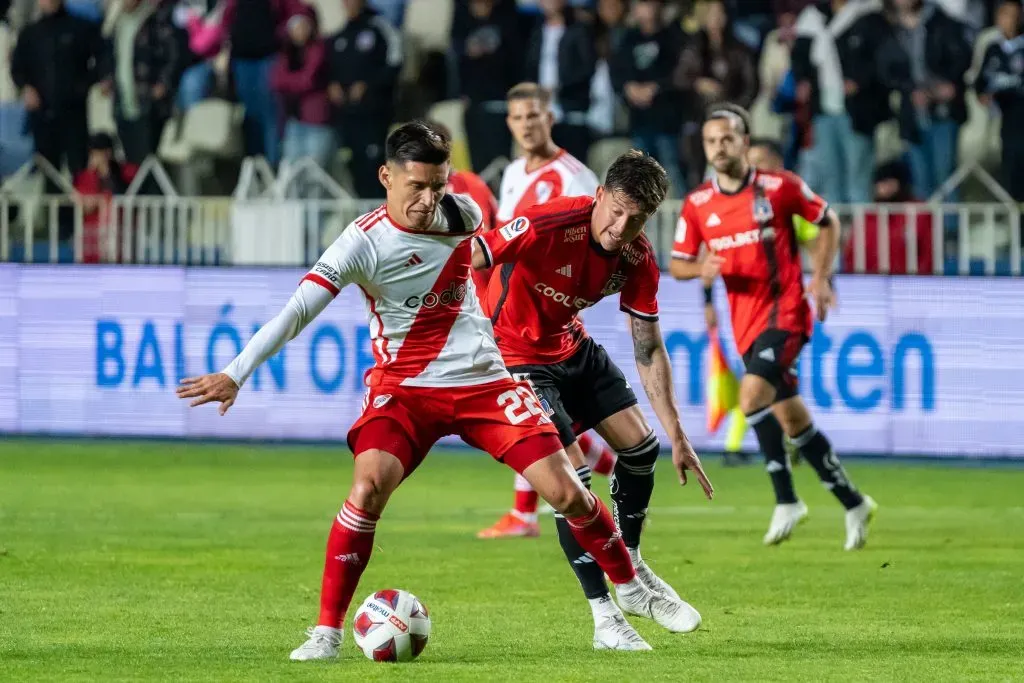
(350, 259)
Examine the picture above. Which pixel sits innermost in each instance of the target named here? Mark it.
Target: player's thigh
(792, 414)
(544, 380)
(625, 429)
(594, 388)
(506, 420)
(403, 422)
(770, 369)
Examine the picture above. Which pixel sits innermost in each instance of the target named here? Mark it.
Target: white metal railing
(270, 230)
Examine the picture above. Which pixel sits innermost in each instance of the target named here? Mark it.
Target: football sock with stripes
(769, 437)
(348, 551)
(632, 484)
(816, 449)
(525, 507)
(597, 535)
(590, 575)
(599, 457)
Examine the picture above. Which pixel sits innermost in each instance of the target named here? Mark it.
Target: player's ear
(599, 192)
(384, 175)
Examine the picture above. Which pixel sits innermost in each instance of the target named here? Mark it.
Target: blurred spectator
(892, 186)
(144, 67)
(90, 10)
(644, 72)
(364, 62)
(834, 65)
(54, 65)
(714, 67)
(207, 36)
(751, 20)
(300, 79)
(924, 58)
(1001, 79)
(487, 45)
(15, 144)
(561, 56)
(392, 10)
(610, 30)
(256, 31)
(103, 178)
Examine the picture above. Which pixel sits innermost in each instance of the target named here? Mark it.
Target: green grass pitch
(186, 562)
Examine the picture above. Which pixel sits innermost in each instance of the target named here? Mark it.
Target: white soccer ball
(391, 626)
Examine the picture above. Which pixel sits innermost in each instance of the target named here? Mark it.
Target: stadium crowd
(821, 76)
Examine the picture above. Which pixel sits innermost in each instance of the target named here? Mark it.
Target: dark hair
(640, 177)
(768, 144)
(727, 111)
(418, 141)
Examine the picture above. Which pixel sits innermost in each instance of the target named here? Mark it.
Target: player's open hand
(684, 459)
(217, 387)
(710, 268)
(824, 298)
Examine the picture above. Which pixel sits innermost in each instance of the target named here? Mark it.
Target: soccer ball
(391, 626)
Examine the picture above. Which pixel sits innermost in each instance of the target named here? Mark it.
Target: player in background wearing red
(438, 371)
(553, 261)
(544, 172)
(744, 216)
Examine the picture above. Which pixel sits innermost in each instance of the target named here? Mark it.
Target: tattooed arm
(655, 368)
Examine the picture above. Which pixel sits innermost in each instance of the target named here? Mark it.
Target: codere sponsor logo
(453, 293)
(739, 239)
(578, 303)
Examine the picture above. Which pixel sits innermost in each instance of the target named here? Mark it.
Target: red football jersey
(469, 183)
(765, 291)
(550, 270)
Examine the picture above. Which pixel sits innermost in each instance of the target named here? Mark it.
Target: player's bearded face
(414, 189)
(617, 220)
(725, 147)
(530, 123)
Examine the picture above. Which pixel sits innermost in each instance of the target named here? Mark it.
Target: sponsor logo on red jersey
(514, 229)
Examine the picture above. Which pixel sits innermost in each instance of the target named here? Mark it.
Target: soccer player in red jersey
(744, 216)
(543, 172)
(551, 262)
(437, 371)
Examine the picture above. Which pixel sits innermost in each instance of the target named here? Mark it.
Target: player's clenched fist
(217, 387)
(711, 268)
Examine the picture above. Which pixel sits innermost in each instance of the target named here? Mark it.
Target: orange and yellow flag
(723, 390)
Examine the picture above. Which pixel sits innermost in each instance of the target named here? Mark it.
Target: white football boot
(648, 578)
(857, 521)
(784, 519)
(324, 643)
(613, 632)
(675, 615)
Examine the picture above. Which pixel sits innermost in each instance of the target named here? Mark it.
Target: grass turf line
(129, 561)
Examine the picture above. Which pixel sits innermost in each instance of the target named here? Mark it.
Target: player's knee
(370, 493)
(573, 500)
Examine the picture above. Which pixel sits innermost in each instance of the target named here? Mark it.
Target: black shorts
(580, 392)
(773, 356)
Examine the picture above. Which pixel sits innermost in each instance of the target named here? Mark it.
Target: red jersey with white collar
(752, 229)
(547, 268)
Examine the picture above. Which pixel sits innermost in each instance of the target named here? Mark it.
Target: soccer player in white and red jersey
(744, 215)
(438, 371)
(553, 261)
(544, 172)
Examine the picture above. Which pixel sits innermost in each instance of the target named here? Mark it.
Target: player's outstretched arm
(222, 387)
(655, 368)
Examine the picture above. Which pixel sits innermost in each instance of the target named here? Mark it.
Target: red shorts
(504, 418)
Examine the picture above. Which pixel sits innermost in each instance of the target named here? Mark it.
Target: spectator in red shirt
(299, 77)
(103, 178)
(892, 186)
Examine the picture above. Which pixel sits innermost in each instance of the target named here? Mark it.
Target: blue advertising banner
(905, 366)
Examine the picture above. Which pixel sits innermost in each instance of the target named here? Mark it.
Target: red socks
(596, 533)
(348, 551)
(526, 500)
(599, 457)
